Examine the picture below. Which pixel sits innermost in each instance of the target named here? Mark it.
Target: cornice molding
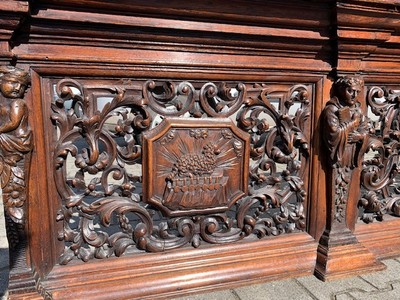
(11, 15)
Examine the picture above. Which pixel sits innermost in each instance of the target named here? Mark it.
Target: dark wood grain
(163, 148)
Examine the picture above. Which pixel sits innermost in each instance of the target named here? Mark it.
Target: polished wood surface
(151, 150)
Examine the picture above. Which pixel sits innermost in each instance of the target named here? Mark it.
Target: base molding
(182, 272)
(345, 260)
(340, 254)
(380, 238)
(22, 280)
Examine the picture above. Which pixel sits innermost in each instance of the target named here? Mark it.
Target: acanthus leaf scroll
(216, 179)
(380, 191)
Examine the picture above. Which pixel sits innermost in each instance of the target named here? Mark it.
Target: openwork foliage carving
(250, 146)
(381, 194)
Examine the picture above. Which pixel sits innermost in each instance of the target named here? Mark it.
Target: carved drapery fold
(347, 135)
(159, 179)
(15, 145)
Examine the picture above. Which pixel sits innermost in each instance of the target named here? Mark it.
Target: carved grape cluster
(196, 164)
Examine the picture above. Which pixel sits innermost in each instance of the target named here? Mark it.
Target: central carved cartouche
(196, 166)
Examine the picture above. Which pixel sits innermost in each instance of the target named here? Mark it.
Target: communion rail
(152, 150)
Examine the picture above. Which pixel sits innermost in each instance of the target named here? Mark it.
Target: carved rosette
(177, 163)
(15, 145)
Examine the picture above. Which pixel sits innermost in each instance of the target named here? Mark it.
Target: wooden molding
(380, 238)
(344, 261)
(150, 276)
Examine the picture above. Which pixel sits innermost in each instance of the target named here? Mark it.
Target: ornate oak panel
(195, 166)
(134, 131)
(158, 165)
(380, 193)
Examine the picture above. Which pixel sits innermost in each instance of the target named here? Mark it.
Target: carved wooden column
(15, 144)
(345, 133)
(15, 148)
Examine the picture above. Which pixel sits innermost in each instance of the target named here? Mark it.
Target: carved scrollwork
(221, 101)
(15, 145)
(168, 99)
(139, 185)
(381, 194)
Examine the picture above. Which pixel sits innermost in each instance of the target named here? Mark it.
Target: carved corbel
(346, 138)
(15, 146)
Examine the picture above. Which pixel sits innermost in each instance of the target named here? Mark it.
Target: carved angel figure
(15, 138)
(345, 127)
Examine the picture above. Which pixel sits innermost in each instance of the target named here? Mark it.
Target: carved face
(350, 93)
(12, 88)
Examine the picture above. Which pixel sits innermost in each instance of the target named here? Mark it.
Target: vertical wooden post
(345, 136)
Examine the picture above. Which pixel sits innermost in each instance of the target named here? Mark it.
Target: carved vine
(381, 194)
(15, 145)
(105, 192)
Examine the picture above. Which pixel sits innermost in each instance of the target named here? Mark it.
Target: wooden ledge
(181, 272)
(344, 261)
(381, 238)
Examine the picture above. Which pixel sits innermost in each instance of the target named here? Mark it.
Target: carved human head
(347, 90)
(13, 81)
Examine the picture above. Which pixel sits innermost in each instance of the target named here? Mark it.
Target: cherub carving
(15, 139)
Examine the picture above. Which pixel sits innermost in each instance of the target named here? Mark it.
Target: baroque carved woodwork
(184, 150)
(15, 145)
(380, 192)
(164, 164)
(346, 133)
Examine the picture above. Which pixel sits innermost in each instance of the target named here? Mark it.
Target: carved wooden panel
(195, 166)
(379, 181)
(157, 165)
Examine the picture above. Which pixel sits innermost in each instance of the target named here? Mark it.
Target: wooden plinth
(342, 255)
(181, 272)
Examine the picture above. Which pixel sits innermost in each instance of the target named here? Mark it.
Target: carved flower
(199, 133)
(227, 134)
(14, 197)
